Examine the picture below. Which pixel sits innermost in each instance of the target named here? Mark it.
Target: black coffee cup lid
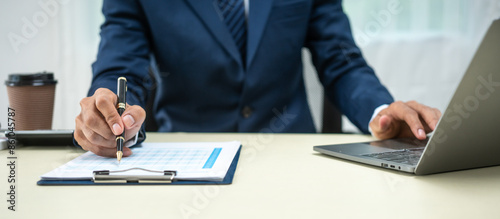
(36, 79)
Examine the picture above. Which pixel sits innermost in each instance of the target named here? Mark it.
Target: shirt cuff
(132, 141)
(375, 113)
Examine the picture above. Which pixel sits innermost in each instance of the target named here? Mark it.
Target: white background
(420, 53)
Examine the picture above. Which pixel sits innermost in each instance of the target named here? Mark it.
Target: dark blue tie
(234, 16)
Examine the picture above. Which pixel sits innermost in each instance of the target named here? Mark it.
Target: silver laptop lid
(468, 134)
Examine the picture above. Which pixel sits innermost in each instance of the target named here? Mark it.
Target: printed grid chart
(149, 158)
(195, 161)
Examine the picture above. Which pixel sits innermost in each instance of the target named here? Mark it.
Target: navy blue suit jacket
(203, 85)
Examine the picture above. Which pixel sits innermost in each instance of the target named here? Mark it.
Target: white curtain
(59, 36)
(419, 49)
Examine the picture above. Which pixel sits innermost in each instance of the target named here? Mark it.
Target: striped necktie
(234, 17)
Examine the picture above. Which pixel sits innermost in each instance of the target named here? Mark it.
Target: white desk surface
(278, 176)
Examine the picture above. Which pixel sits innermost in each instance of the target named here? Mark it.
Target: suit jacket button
(246, 112)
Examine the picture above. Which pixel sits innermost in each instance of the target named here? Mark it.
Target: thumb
(384, 123)
(383, 127)
(133, 116)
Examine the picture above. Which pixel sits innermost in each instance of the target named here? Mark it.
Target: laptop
(467, 135)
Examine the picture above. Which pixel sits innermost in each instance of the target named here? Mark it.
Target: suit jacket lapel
(207, 12)
(257, 20)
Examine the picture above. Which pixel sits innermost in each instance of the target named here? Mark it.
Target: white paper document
(192, 161)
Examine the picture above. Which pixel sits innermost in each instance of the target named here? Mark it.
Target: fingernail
(421, 132)
(116, 129)
(128, 120)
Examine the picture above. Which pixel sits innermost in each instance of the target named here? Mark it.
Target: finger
(96, 139)
(127, 152)
(383, 126)
(428, 114)
(109, 152)
(84, 136)
(105, 102)
(427, 128)
(96, 125)
(93, 120)
(99, 149)
(393, 122)
(438, 112)
(385, 122)
(133, 117)
(80, 139)
(407, 114)
(104, 151)
(375, 124)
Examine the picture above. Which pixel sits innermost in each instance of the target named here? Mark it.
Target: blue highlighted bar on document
(213, 157)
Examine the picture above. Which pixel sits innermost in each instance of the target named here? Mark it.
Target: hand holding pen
(99, 123)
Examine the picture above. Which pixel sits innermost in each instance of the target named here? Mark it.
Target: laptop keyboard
(406, 156)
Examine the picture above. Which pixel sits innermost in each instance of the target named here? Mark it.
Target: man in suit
(233, 66)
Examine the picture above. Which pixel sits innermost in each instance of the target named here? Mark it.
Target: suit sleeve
(124, 50)
(346, 77)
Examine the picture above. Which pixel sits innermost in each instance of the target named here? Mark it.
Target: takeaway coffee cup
(32, 98)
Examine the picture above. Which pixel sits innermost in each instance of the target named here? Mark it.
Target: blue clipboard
(228, 179)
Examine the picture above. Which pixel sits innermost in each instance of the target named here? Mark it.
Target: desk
(278, 176)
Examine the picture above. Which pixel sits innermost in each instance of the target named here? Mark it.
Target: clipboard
(160, 179)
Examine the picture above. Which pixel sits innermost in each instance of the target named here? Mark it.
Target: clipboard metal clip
(108, 176)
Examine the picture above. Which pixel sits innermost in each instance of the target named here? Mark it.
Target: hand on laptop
(99, 122)
(404, 120)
